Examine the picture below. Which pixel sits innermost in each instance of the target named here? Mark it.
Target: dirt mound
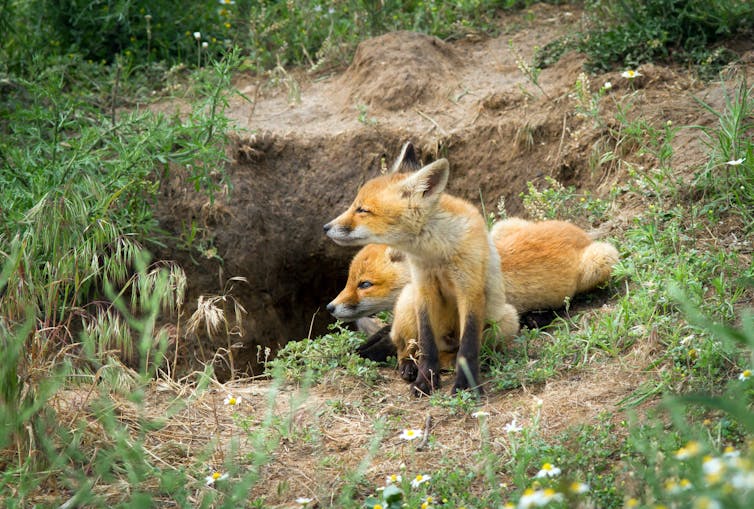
(400, 69)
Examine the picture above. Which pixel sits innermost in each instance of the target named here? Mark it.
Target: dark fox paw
(408, 370)
(427, 380)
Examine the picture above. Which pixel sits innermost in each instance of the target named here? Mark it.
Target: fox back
(544, 263)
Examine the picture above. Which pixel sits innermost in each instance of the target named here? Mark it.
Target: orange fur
(375, 279)
(455, 269)
(543, 264)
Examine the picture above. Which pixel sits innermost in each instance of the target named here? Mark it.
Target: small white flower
(393, 479)
(197, 35)
(419, 480)
(745, 375)
(673, 487)
(411, 434)
(331, 11)
(317, 8)
(538, 498)
(227, 2)
(743, 481)
(512, 427)
(548, 470)
(304, 501)
(579, 488)
(530, 498)
(713, 466)
(736, 162)
(214, 477)
(607, 85)
(630, 74)
(480, 414)
(707, 503)
(731, 454)
(205, 44)
(690, 450)
(231, 400)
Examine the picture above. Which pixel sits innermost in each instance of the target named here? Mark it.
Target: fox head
(375, 279)
(392, 209)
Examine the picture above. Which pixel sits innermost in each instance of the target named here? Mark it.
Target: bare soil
(303, 146)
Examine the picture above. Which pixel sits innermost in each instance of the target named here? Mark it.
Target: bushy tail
(597, 263)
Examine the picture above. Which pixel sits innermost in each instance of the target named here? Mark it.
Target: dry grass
(324, 433)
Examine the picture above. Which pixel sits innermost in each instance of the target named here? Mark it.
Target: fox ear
(407, 160)
(429, 181)
(394, 255)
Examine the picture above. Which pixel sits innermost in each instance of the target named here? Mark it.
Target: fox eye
(364, 285)
(362, 210)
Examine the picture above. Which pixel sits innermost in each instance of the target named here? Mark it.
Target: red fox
(455, 268)
(543, 264)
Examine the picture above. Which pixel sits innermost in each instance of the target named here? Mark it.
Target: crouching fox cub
(454, 266)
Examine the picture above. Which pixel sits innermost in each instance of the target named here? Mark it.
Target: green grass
(81, 163)
(629, 33)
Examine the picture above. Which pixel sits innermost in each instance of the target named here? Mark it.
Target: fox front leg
(467, 362)
(428, 376)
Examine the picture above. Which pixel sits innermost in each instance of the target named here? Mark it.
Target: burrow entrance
(296, 165)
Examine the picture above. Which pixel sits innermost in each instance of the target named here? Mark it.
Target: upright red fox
(455, 268)
(543, 264)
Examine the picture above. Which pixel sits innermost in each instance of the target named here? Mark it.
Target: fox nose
(327, 227)
(331, 308)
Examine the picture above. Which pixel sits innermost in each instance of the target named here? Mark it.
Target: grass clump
(628, 33)
(633, 32)
(320, 357)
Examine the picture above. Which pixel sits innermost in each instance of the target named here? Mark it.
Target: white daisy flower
(214, 477)
(197, 35)
(548, 470)
(231, 400)
(579, 488)
(411, 434)
(707, 503)
(393, 479)
(630, 74)
(690, 450)
(512, 427)
(419, 480)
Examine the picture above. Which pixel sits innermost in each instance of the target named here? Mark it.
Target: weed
(319, 357)
(633, 32)
(729, 174)
(364, 117)
(530, 72)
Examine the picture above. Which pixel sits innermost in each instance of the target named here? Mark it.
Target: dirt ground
(305, 143)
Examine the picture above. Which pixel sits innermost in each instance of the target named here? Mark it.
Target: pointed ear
(394, 255)
(407, 160)
(429, 181)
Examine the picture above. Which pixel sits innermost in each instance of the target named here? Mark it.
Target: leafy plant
(632, 32)
(320, 356)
